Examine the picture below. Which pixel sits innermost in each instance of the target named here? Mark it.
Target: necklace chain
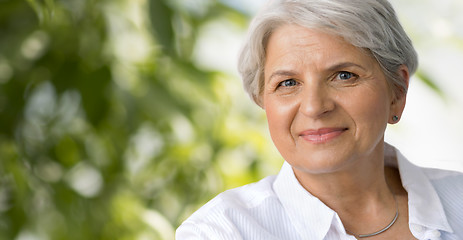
(382, 230)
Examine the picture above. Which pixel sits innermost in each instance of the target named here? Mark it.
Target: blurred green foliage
(108, 128)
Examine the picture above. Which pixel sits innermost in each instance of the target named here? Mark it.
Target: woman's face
(327, 102)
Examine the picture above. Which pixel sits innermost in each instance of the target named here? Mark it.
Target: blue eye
(345, 75)
(288, 83)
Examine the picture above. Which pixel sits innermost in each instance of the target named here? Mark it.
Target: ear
(399, 98)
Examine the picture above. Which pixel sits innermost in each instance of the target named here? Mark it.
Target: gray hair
(367, 24)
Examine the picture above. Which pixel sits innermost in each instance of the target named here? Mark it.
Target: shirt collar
(303, 208)
(425, 207)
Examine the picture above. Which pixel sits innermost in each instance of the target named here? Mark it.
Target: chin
(319, 163)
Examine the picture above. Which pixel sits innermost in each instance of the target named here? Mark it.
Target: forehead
(290, 44)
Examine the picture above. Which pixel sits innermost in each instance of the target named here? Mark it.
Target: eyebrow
(288, 73)
(344, 65)
(282, 73)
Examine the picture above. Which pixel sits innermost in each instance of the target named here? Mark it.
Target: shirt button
(417, 228)
(434, 234)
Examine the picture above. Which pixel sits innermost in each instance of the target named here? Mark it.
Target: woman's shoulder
(447, 183)
(247, 196)
(436, 174)
(231, 208)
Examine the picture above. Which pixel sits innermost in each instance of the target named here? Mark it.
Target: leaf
(161, 22)
(426, 79)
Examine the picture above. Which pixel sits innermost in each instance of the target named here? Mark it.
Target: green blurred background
(109, 129)
(113, 125)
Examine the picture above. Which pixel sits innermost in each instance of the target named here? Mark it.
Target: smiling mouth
(322, 135)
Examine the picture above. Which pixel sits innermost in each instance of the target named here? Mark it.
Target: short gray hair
(366, 24)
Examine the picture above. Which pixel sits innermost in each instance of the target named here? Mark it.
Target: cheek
(279, 117)
(370, 111)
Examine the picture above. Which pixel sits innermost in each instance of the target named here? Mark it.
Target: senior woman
(330, 75)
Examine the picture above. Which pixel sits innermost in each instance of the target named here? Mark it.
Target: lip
(322, 135)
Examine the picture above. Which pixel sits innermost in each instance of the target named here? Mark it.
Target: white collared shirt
(278, 207)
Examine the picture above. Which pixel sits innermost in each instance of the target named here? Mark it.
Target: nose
(316, 101)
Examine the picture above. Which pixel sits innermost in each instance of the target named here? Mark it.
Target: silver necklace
(382, 230)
